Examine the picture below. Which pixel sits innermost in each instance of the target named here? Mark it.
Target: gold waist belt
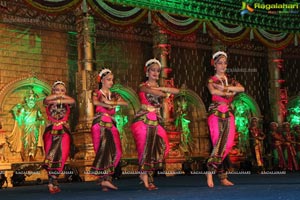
(148, 108)
(222, 115)
(106, 124)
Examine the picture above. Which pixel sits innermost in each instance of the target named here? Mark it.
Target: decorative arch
(53, 7)
(293, 108)
(250, 102)
(124, 116)
(39, 86)
(11, 95)
(245, 107)
(192, 98)
(196, 114)
(128, 94)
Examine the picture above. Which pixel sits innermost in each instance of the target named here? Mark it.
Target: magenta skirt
(140, 130)
(57, 149)
(215, 127)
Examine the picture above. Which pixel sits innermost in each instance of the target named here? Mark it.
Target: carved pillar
(161, 51)
(277, 91)
(85, 81)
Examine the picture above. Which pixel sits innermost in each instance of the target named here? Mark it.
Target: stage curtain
(117, 14)
(53, 7)
(126, 16)
(228, 33)
(275, 40)
(176, 24)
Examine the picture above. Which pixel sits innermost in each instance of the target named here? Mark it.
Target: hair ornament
(152, 61)
(286, 123)
(102, 74)
(255, 118)
(217, 55)
(58, 83)
(275, 123)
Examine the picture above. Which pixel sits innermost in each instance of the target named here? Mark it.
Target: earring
(147, 74)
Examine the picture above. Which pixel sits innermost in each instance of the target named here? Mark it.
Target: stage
(247, 186)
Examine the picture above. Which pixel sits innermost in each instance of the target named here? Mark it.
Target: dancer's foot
(152, 186)
(144, 179)
(226, 182)
(104, 189)
(108, 185)
(209, 180)
(53, 188)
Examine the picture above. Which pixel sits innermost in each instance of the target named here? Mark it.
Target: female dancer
(57, 136)
(289, 147)
(150, 137)
(256, 141)
(297, 141)
(105, 135)
(278, 141)
(221, 120)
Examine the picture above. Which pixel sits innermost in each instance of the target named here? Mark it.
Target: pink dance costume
(57, 138)
(150, 137)
(106, 141)
(221, 124)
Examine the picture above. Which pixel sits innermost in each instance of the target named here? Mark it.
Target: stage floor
(247, 186)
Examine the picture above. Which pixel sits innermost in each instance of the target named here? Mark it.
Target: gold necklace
(109, 94)
(220, 79)
(149, 84)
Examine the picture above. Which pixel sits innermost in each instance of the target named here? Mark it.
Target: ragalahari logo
(274, 8)
(246, 9)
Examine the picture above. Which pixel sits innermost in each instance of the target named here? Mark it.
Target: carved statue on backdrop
(121, 120)
(26, 136)
(182, 124)
(242, 113)
(294, 114)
